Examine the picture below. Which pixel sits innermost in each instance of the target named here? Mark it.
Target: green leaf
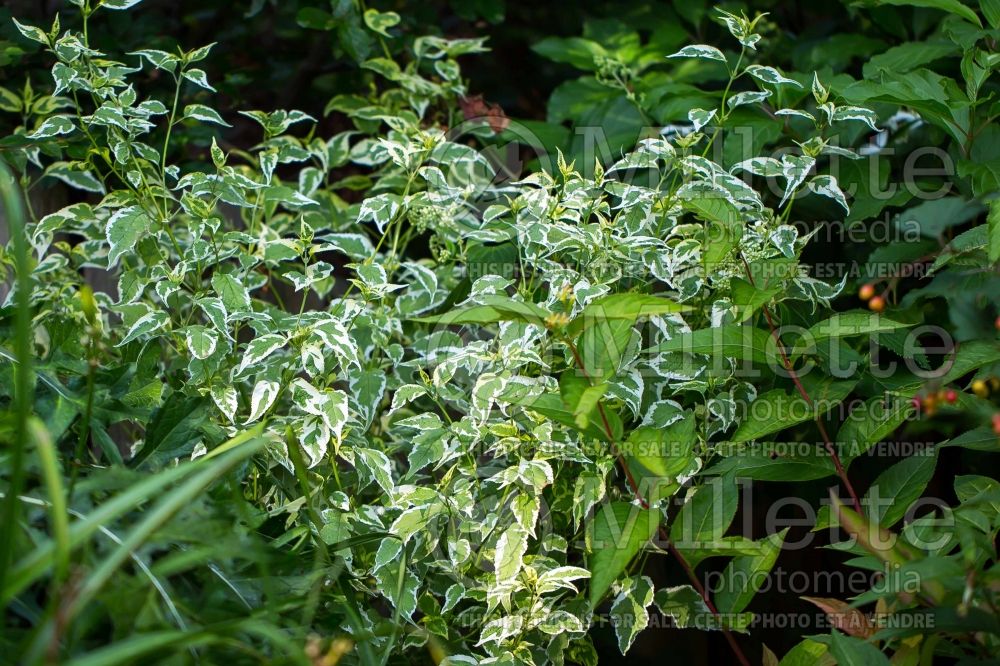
(666, 452)
(806, 653)
(628, 613)
(847, 324)
(314, 18)
(771, 461)
(233, 294)
(259, 349)
(125, 228)
(174, 429)
(147, 324)
(993, 220)
(870, 423)
(509, 555)
(950, 6)
(201, 341)
(898, 487)
(776, 410)
(492, 310)
(9, 101)
(991, 10)
(706, 514)
(602, 347)
(576, 51)
(745, 575)
(628, 307)
(204, 114)
(380, 22)
(683, 605)
(551, 406)
(850, 651)
(748, 299)
(580, 397)
(729, 341)
(616, 534)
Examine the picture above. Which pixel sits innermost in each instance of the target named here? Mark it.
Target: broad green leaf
(950, 6)
(615, 535)
(745, 575)
(729, 341)
(580, 397)
(706, 514)
(850, 651)
(174, 429)
(896, 488)
(777, 461)
(807, 653)
(777, 410)
(663, 451)
(852, 323)
(576, 51)
(748, 298)
(977, 439)
(492, 310)
(869, 423)
(991, 9)
(602, 346)
(628, 307)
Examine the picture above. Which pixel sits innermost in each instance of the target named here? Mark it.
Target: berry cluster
(929, 402)
(875, 303)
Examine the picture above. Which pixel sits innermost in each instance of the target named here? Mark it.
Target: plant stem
(786, 362)
(637, 493)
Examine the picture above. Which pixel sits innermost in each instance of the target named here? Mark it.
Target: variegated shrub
(482, 401)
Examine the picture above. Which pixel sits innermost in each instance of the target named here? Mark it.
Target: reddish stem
(786, 362)
(662, 532)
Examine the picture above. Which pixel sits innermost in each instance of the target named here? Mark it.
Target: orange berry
(876, 304)
(996, 324)
(868, 290)
(996, 423)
